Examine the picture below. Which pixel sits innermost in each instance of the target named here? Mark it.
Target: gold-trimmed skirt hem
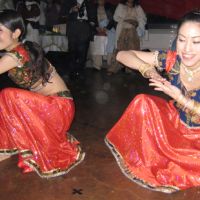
(33, 165)
(125, 170)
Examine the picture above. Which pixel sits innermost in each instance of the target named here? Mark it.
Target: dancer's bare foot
(4, 157)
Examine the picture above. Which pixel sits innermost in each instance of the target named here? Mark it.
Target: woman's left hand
(153, 74)
(166, 87)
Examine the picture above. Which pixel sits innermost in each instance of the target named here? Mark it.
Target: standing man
(30, 11)
(81, 25)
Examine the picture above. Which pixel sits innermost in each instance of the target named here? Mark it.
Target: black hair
(192, 16)
(38, 64)
(13, 20)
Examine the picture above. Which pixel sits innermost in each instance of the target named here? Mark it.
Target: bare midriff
(55, 84)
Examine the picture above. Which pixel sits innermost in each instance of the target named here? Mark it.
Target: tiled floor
(100, 101)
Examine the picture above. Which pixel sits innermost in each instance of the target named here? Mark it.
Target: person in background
(157, 141)
(131, 21)
(106, 27)
(34, 119)
(53, 12)
(30, 11)
(43, 8)
(81, 23)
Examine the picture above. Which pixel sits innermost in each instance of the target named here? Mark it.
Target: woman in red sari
(35, 119)
(157, 142)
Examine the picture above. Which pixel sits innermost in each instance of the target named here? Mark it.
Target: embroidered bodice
(174, 77)
(22, 75)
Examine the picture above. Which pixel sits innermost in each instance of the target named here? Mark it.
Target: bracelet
(184, 102)
(144, 68)
(192, 106)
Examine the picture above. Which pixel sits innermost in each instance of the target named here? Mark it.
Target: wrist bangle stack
(189, 105)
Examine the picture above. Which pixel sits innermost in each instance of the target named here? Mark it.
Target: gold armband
(144, 68)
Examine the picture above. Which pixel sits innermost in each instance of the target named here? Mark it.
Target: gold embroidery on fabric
(124, 168)
(49, 174)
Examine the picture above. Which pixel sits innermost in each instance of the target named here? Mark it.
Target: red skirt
(154, 148)
(35, 127)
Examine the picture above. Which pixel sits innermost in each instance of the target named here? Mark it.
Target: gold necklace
(190, 72)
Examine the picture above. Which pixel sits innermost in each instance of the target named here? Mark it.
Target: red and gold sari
(35, 127)
(154, 148)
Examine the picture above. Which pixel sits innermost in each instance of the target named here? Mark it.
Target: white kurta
(123, 12)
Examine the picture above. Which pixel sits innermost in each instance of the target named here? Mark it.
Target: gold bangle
(144, 68)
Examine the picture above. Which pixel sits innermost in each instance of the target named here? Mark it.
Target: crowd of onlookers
(122, 24)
